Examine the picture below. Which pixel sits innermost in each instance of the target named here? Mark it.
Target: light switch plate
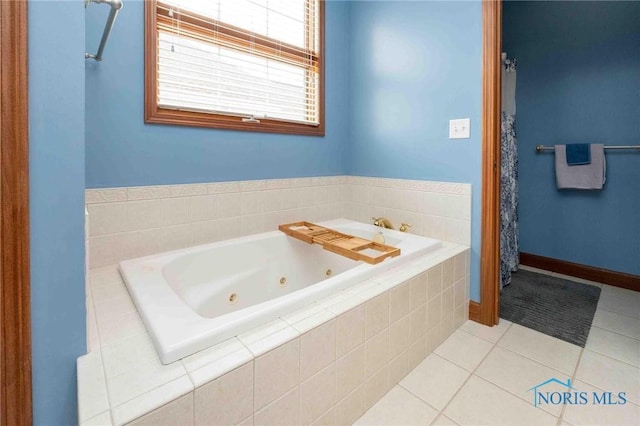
(459, 128)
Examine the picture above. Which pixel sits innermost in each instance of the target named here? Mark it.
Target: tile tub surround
(326, 363)
(440, 210)
(130, 222)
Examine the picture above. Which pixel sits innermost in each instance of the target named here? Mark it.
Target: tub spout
(383, 222)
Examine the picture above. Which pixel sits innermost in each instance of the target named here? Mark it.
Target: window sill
(213, 121)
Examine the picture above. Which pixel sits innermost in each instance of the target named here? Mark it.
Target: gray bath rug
(553, 306)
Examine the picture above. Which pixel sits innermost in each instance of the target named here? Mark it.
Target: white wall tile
(178, 412)
(350, 372)
(144, 243)
(350, 329)
(226, 400)
(317, 349)
(276, 372)
(107, 218)
(144, 214)
(317, 394)
(283, 411)
(376, 387)
(351, 407)
(107, 249)
(203, 208)
(176, 211)
(176, 237)
(170, 401)
(376, 352)
(376, 315)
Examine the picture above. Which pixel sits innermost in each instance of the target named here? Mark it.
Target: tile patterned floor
(480, 375)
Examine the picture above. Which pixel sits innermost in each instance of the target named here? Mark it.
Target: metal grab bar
(116, 5)
(540, 148)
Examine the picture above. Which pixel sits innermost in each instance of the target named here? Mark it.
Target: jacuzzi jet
(329, 272)
(283, 281)
(233, 297)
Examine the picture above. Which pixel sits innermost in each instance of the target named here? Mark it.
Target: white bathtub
(194, 298)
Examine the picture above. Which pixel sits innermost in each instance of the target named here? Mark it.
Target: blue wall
(123, 151)
(413, 66)
(56, 125)
(578, 81)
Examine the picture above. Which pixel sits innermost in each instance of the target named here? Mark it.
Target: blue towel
(578, 154)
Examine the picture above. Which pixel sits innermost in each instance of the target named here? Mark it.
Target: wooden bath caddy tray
(337, 242)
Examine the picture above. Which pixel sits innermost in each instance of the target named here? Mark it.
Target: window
(236, 64)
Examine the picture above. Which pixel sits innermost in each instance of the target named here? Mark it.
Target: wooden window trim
(15, 293)
(155, 114)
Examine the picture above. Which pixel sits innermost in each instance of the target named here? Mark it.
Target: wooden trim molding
(474, 311)
(601, 275)
(155, 114)
(491, 92)
(15, 308)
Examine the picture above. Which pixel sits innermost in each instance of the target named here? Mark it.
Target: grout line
(573, 379)
(417, 396)
(612, 358)
(480, 337)
(614, 312)
(535, 360)
(472, 373)
(611, 331)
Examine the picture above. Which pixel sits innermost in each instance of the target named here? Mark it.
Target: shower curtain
(509, 250)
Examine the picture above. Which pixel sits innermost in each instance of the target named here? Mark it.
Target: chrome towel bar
(540, 148)
(116, 5)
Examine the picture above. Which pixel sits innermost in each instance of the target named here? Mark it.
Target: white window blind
(248, 58)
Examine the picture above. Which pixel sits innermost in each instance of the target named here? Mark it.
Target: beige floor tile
(576, 279)
(545, 349)
(601, 415)
(435, 380)
(464, 349)
(482, 403)
(396, 408)
(532, 269)
(615, 302)
(518, 374)
(621, 292)
(609, 374)
(492, 334)
(443, 420)
(617, 323)
(614, 345)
